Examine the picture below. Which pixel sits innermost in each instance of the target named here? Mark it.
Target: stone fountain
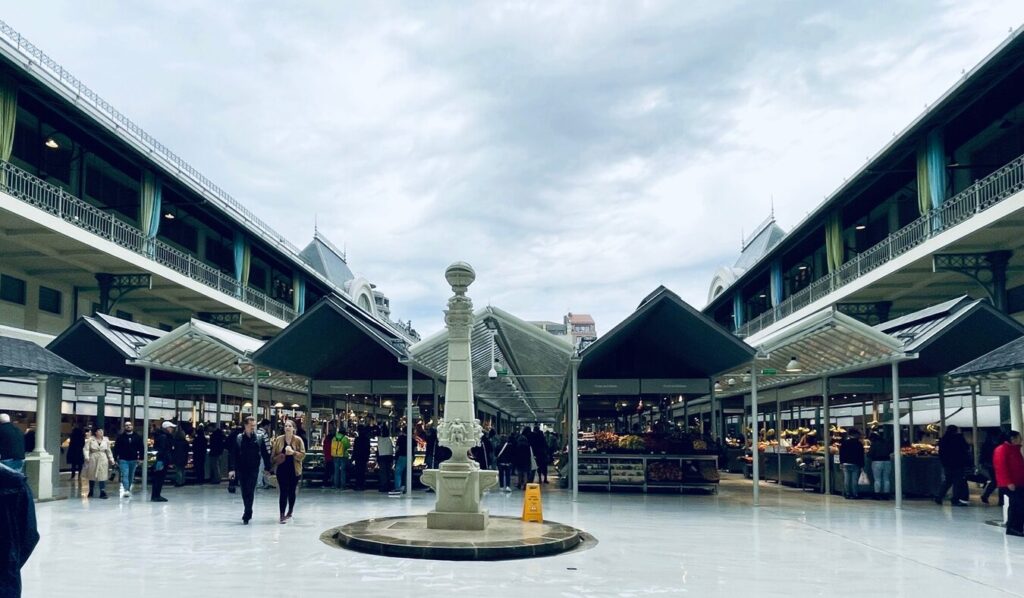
(458, 529)
(459, 483)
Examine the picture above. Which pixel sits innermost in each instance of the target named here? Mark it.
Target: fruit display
(631, 442)
(606, 441)
(920, 450)
(664, 471)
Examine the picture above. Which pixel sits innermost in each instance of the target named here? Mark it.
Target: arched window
(364, 303)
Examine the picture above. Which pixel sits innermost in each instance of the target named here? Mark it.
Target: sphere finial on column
(460, 275)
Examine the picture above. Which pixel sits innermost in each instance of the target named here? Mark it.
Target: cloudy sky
(577, 154)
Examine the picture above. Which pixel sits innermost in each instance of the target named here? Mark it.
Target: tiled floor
(795, 544)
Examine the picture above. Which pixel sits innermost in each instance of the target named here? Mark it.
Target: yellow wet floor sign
(532, 509)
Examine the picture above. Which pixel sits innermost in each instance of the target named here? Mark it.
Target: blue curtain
(737, 309)
(157, 209)
(776, 283)
(239, 255)
(936, 168)
(299, 288)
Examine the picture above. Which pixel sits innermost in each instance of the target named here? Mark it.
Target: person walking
(361, 454)
(339, 451)
(851, 457)
(880, 454)
(129, 453)
(18, 522)
(98, 461)
(401, 462)
(385, 457)
(287, 454)
(955, 456)
(180, 450)
(199, 447)
(1008, 466)
(506, 460)
(247, 456)
(539, 446)
(163, 444)
(524, 460)
(992, 440)
(12, 444)
(431, 449)
(76, 451)
(217, 440)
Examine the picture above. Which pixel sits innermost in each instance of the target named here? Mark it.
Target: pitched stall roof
(946, 335)
(208, 351)
(538, 363)
(22, 359)
(826, 343)
(999, 361)
(664, 338)
(325, 258)
(335, 340)
(102, 344)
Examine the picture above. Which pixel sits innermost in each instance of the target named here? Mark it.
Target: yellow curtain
(8, 115)
(834, 242)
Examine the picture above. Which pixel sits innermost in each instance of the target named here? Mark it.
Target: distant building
(581, 328)
(554, 328)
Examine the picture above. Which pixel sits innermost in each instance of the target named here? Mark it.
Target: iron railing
(34, 55)
(980, 196)
(58, 202)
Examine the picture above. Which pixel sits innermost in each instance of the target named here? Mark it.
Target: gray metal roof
(537, 361)
(327, 260)
(21, 359)
(761, 243)
(208, 351)
(1005, 359)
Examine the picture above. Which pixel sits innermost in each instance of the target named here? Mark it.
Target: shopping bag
(863, 479)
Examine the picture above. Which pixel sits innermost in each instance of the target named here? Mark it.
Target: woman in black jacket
(199, 445)
(880, 454)
(506, 458)
(851, 457)
(76, 452)
(955, 455)
(523, 459)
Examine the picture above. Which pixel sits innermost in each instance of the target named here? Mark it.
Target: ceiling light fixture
(860, 227)
(794, 365)
(51, 143)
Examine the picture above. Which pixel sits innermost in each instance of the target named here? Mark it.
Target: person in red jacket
(1008, 462)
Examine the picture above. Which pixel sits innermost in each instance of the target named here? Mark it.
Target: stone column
(459, 483)
(39, 464)
(1016, 407)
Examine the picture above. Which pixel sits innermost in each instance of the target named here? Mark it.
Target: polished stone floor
(795, 544)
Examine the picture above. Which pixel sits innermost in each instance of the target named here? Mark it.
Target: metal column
(256, 397)
(715, 432)
(942, 407)
(897, 454)
(220, 392)
(574, 424)
(145, 432)
(409, 454)
(910, 419)
(755, 465)
(827, 439)
(974, 426)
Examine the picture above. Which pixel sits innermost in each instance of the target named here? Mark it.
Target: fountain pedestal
(459, 482)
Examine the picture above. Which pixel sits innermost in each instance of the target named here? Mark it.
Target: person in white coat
(98, 459)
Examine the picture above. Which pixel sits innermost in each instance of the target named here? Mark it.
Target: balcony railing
(977, 198)
(40, 194)
(35, 55)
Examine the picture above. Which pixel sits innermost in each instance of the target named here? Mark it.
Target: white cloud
(577, 156)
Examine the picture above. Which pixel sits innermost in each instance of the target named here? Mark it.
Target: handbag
(863, 479)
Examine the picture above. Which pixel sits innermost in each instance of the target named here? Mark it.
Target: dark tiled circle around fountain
(408, 537)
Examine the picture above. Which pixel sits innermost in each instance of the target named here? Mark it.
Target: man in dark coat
(539, 445)
(361, 454)
(19, 536)
(129, 454)
(216, 450)
(180, 456)
(163, 444)
(12, 444)
(955, 456)
(249, 454)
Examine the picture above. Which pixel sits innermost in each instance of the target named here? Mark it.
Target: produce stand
(648, 472)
